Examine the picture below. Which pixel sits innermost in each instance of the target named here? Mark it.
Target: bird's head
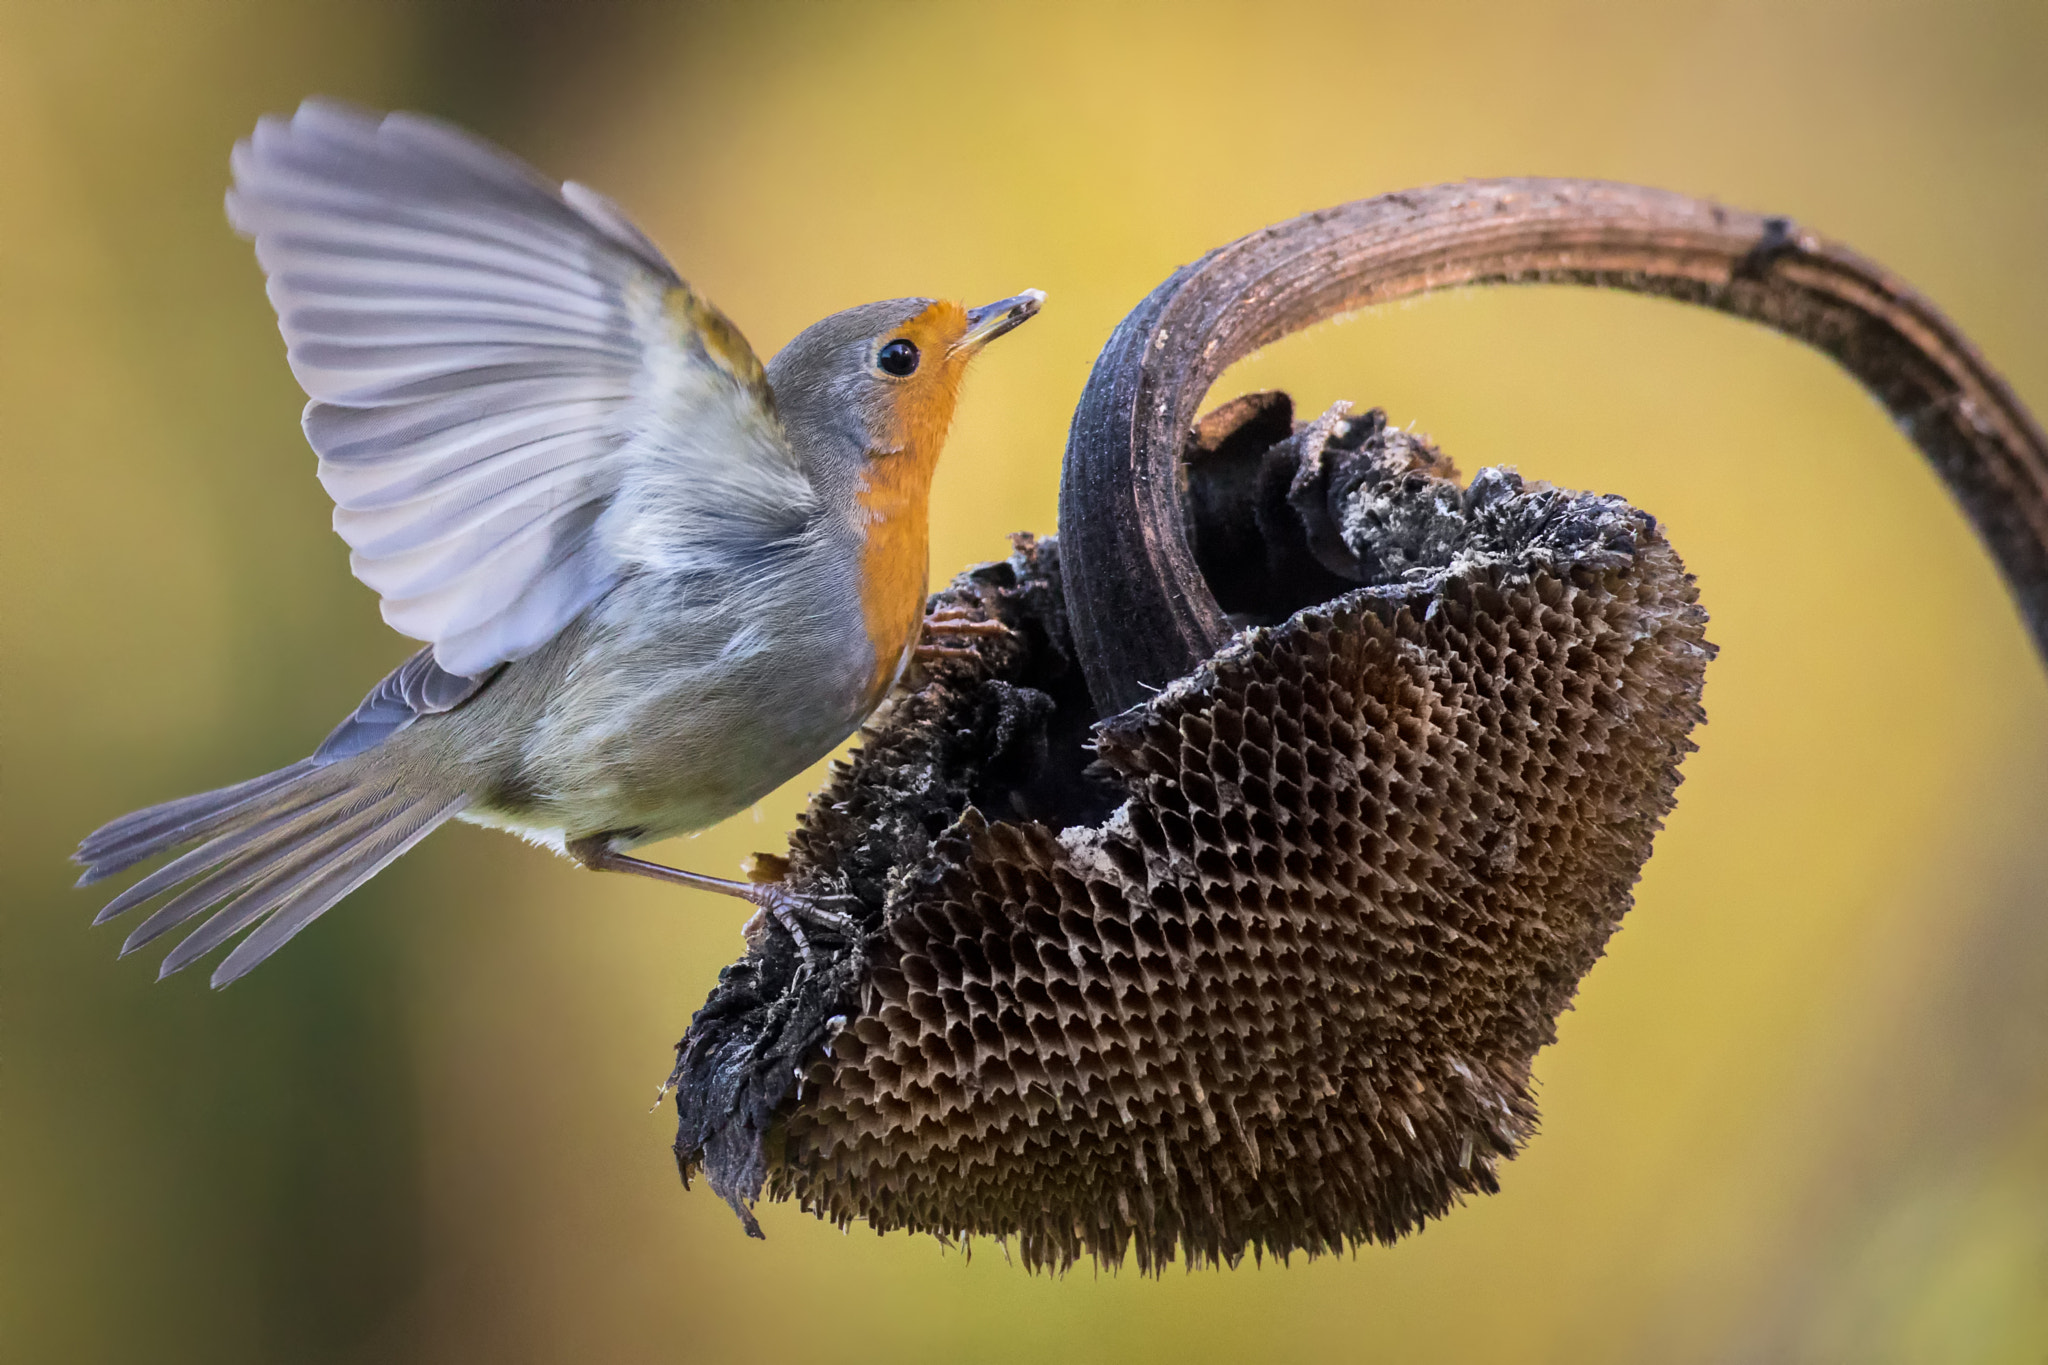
(870, 392)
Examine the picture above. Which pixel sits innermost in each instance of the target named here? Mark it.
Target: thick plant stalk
(1142, 614)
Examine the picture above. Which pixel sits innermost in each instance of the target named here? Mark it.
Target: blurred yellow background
(1799, 1113)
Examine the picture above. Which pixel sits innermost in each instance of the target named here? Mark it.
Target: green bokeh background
(1799, 1113)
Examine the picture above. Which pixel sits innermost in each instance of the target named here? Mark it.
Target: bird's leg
(784, 906)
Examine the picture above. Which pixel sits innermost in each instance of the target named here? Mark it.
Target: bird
(654, 578)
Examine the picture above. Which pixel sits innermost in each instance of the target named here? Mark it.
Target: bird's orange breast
(893, 566)
(895, 493)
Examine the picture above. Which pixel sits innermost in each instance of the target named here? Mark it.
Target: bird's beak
(991, 320)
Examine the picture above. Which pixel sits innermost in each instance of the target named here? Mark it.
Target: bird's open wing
(515, 398)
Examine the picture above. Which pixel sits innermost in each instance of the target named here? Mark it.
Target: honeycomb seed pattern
(1287, 996)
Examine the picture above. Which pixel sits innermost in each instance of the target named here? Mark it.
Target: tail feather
(307, 835)
(361, 861)
(215, 851)
(277, 852)
(122, 843)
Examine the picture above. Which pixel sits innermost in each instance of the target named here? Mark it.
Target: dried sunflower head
(1262, 963)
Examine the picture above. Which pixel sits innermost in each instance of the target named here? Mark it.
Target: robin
(655, 578)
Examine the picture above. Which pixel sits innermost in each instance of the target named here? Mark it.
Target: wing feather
(439, 601)
(440, 460)
(389, 517)
(514, 399)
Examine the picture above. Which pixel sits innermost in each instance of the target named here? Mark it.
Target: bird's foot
(769, 890)
(956, 623)
(962, 620)
(765, 889)
(792, 910)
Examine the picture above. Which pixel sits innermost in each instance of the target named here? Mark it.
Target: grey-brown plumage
(655, 578)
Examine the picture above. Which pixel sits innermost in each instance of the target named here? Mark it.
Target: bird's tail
(272, 854)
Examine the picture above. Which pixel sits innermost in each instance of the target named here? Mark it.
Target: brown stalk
(1142, 614)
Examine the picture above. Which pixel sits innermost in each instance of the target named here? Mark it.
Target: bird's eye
(899, 358)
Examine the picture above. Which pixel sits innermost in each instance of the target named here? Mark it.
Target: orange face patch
(896, 486)
(923, 408)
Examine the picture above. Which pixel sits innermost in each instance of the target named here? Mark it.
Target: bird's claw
(961, 620)
(791, 910)
(957, 622)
